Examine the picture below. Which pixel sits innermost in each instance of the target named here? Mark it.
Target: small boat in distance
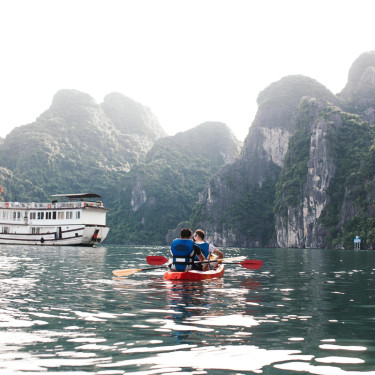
(69, 220)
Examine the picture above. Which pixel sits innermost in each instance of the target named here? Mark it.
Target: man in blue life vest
(207, 248)
(184, 251)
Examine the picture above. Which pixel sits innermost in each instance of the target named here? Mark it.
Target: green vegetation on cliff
(159, 194)
(292, 179)
(305, 176)
(351, 189)
(253, 213)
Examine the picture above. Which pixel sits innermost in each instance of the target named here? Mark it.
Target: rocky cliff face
(299, 226)
(238, 202)
(274, 123)
(333, 200)
(305, 177)
(309, 158)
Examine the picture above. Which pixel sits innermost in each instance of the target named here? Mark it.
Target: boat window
(54, 215)
(60, 215)
(5, 229)
(78, 214)
(16, 215)
(32, 215)
(35, 230)
(48, 215)
(69, 214)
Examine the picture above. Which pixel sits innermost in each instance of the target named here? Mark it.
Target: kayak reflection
(190, 300)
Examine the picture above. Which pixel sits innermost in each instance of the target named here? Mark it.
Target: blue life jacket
(204, 247)
(183, 253)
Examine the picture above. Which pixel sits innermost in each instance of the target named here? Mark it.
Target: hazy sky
(190, 61)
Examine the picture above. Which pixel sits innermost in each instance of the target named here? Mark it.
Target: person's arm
(219, 253)
(205, 266)
(214, 250)
(198, 253)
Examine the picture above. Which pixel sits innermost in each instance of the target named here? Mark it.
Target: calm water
(303, 312)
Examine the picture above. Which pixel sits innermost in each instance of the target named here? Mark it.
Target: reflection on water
(303, 312)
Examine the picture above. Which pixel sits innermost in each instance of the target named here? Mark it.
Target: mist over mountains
(303, 178)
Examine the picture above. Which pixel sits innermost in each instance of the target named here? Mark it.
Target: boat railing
(55, 205)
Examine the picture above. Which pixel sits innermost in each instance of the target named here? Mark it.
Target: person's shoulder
(184, 240)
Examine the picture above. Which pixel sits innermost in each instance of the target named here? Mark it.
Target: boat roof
(76, 196)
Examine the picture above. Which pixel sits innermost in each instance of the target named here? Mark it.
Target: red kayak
(195, 275)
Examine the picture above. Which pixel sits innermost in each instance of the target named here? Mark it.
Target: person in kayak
(184, 251)
(207, 248)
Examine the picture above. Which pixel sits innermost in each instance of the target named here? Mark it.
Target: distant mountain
(160, 193)
(360, 88)
(305, 177)
(117, 149)
(78, 145)
(132, 118)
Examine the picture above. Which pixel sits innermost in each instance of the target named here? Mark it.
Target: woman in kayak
(207, 248)
(184, 251)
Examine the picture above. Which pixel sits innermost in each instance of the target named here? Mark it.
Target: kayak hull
(195, 275)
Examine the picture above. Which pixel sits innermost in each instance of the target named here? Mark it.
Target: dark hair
(185, 233)
(200, 233)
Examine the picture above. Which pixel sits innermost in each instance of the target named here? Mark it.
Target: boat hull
(195, 275)
(73, 236)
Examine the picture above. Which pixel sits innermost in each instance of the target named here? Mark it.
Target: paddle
(159, 260)
(156, 260)
(248, 263)
(131, 271)
(251, 264)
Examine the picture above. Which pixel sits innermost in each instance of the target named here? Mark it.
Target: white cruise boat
(70, 219)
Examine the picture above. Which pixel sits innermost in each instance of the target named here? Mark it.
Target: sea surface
(303, 312)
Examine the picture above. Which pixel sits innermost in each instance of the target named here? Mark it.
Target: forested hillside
(159, 194)
(303, 178)
(75, 146)
(117, 149)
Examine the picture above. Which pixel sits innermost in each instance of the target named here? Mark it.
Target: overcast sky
(190, 61)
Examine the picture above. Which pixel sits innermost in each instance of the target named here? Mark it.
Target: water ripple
(304, 311)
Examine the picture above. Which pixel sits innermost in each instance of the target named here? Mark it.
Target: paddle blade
(156, 260)
(252, 264)
(128, 272)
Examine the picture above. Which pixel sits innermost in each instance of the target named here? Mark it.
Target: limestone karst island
(303, 178)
